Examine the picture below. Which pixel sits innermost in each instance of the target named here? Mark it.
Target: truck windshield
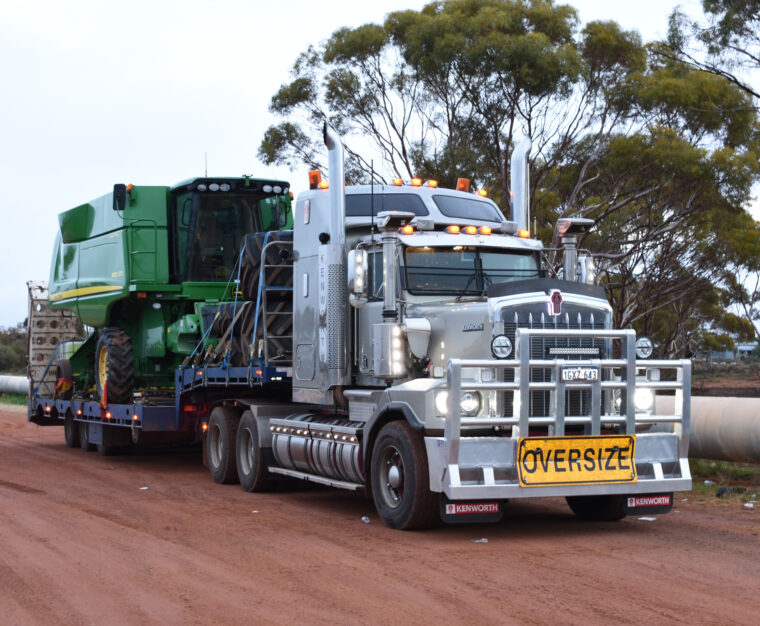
(464, 270)
(208, 229)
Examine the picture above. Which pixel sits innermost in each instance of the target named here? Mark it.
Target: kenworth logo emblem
(472, 327)
(554, 303)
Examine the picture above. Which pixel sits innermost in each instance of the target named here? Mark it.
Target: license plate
(548, 461)
(570, 374)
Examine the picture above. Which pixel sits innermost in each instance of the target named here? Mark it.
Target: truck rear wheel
(250, 462)
(598, 508)
(400, 481)
(220, 445)
(114, 366)
(70, 430)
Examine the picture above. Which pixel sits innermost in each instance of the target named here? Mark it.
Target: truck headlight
(643, 399)
(501, 346)
(470, 403)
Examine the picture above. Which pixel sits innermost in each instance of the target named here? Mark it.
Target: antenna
(372, 202)
(205, 160)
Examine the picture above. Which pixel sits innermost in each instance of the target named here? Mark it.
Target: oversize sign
(549, 461)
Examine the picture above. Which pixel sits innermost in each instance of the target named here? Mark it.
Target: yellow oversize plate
(547, 461)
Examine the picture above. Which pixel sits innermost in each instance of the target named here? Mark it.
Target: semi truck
(400, 340)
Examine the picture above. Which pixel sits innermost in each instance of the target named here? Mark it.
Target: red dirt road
(83, 543)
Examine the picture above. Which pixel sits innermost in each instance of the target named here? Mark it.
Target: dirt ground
(150, 538)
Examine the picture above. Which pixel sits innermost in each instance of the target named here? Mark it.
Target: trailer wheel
(70, 430)
(84, 437)
(400, 482)
(250, 462)
(220, 444)
(114, 366)
(598, 508)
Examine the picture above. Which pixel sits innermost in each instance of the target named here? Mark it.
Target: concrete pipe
(724, 429)
(14, 384)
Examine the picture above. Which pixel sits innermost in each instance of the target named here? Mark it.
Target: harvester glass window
(464, 270)
(209, 229)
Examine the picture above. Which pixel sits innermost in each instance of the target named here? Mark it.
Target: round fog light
(644, 347)
(643, 399)
(470, 403)
(501, 346)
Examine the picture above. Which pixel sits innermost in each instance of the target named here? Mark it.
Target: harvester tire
(400, 480)
(64, 387)
(598, 508)
(114, 366)
(251, 469)
(220, 445)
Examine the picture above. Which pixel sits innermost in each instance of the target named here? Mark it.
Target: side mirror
(357, 278)
(119, 197)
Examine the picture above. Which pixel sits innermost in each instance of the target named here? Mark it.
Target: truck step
(322, 480)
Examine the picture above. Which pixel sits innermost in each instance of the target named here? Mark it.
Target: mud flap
(470, 511)
(649, 504)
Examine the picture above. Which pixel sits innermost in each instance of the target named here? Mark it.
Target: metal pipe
(337, 185)
(14, 384)
(725, 429)
(519, 181)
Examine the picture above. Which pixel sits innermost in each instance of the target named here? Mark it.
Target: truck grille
(577, 401)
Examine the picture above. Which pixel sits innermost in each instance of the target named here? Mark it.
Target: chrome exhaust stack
(519, 181)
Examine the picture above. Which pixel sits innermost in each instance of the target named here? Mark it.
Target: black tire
(220, 445)
(251, 469)
(71, 430)
(114, 366)
(84, 437)
(400, 481)
(64, 380)
(598, 508)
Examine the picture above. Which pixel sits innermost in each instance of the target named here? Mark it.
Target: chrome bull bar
(626, 367)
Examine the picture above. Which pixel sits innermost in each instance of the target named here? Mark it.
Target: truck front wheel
(400, 482)
(114, 366)
(220, 445)
(598, 508)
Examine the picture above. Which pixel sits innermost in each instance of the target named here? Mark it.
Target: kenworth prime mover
(402, 340)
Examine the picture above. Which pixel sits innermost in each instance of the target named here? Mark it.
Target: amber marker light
(523, 234)
(108, 415)
(471, 230)
(416, 182)
(432, 183)
(454, 230)
(47, 409)
(463, 184)
(398, 182)
(407, 230)
(135, 418)
(204, 427)
(485, 230)
(315, 177)
(323, 184)
(482, 193)
(79, 411)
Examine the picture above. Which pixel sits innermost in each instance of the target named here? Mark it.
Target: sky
(97, 93)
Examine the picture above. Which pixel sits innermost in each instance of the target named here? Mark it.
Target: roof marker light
(432, 183)
(482, 193)
(315, 177)
(454, 230)
(323, 184)
(523, 234)
(485, 230)
(416, 182)
(463, 184)
(471, 230)
(407, 230)
(398, 182)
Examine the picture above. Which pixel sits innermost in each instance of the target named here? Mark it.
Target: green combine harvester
(156, 272)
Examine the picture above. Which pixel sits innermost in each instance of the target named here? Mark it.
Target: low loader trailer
(404, 341)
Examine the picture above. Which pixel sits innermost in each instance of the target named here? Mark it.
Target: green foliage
(13, 350)
(660, 154)
(13, 398)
